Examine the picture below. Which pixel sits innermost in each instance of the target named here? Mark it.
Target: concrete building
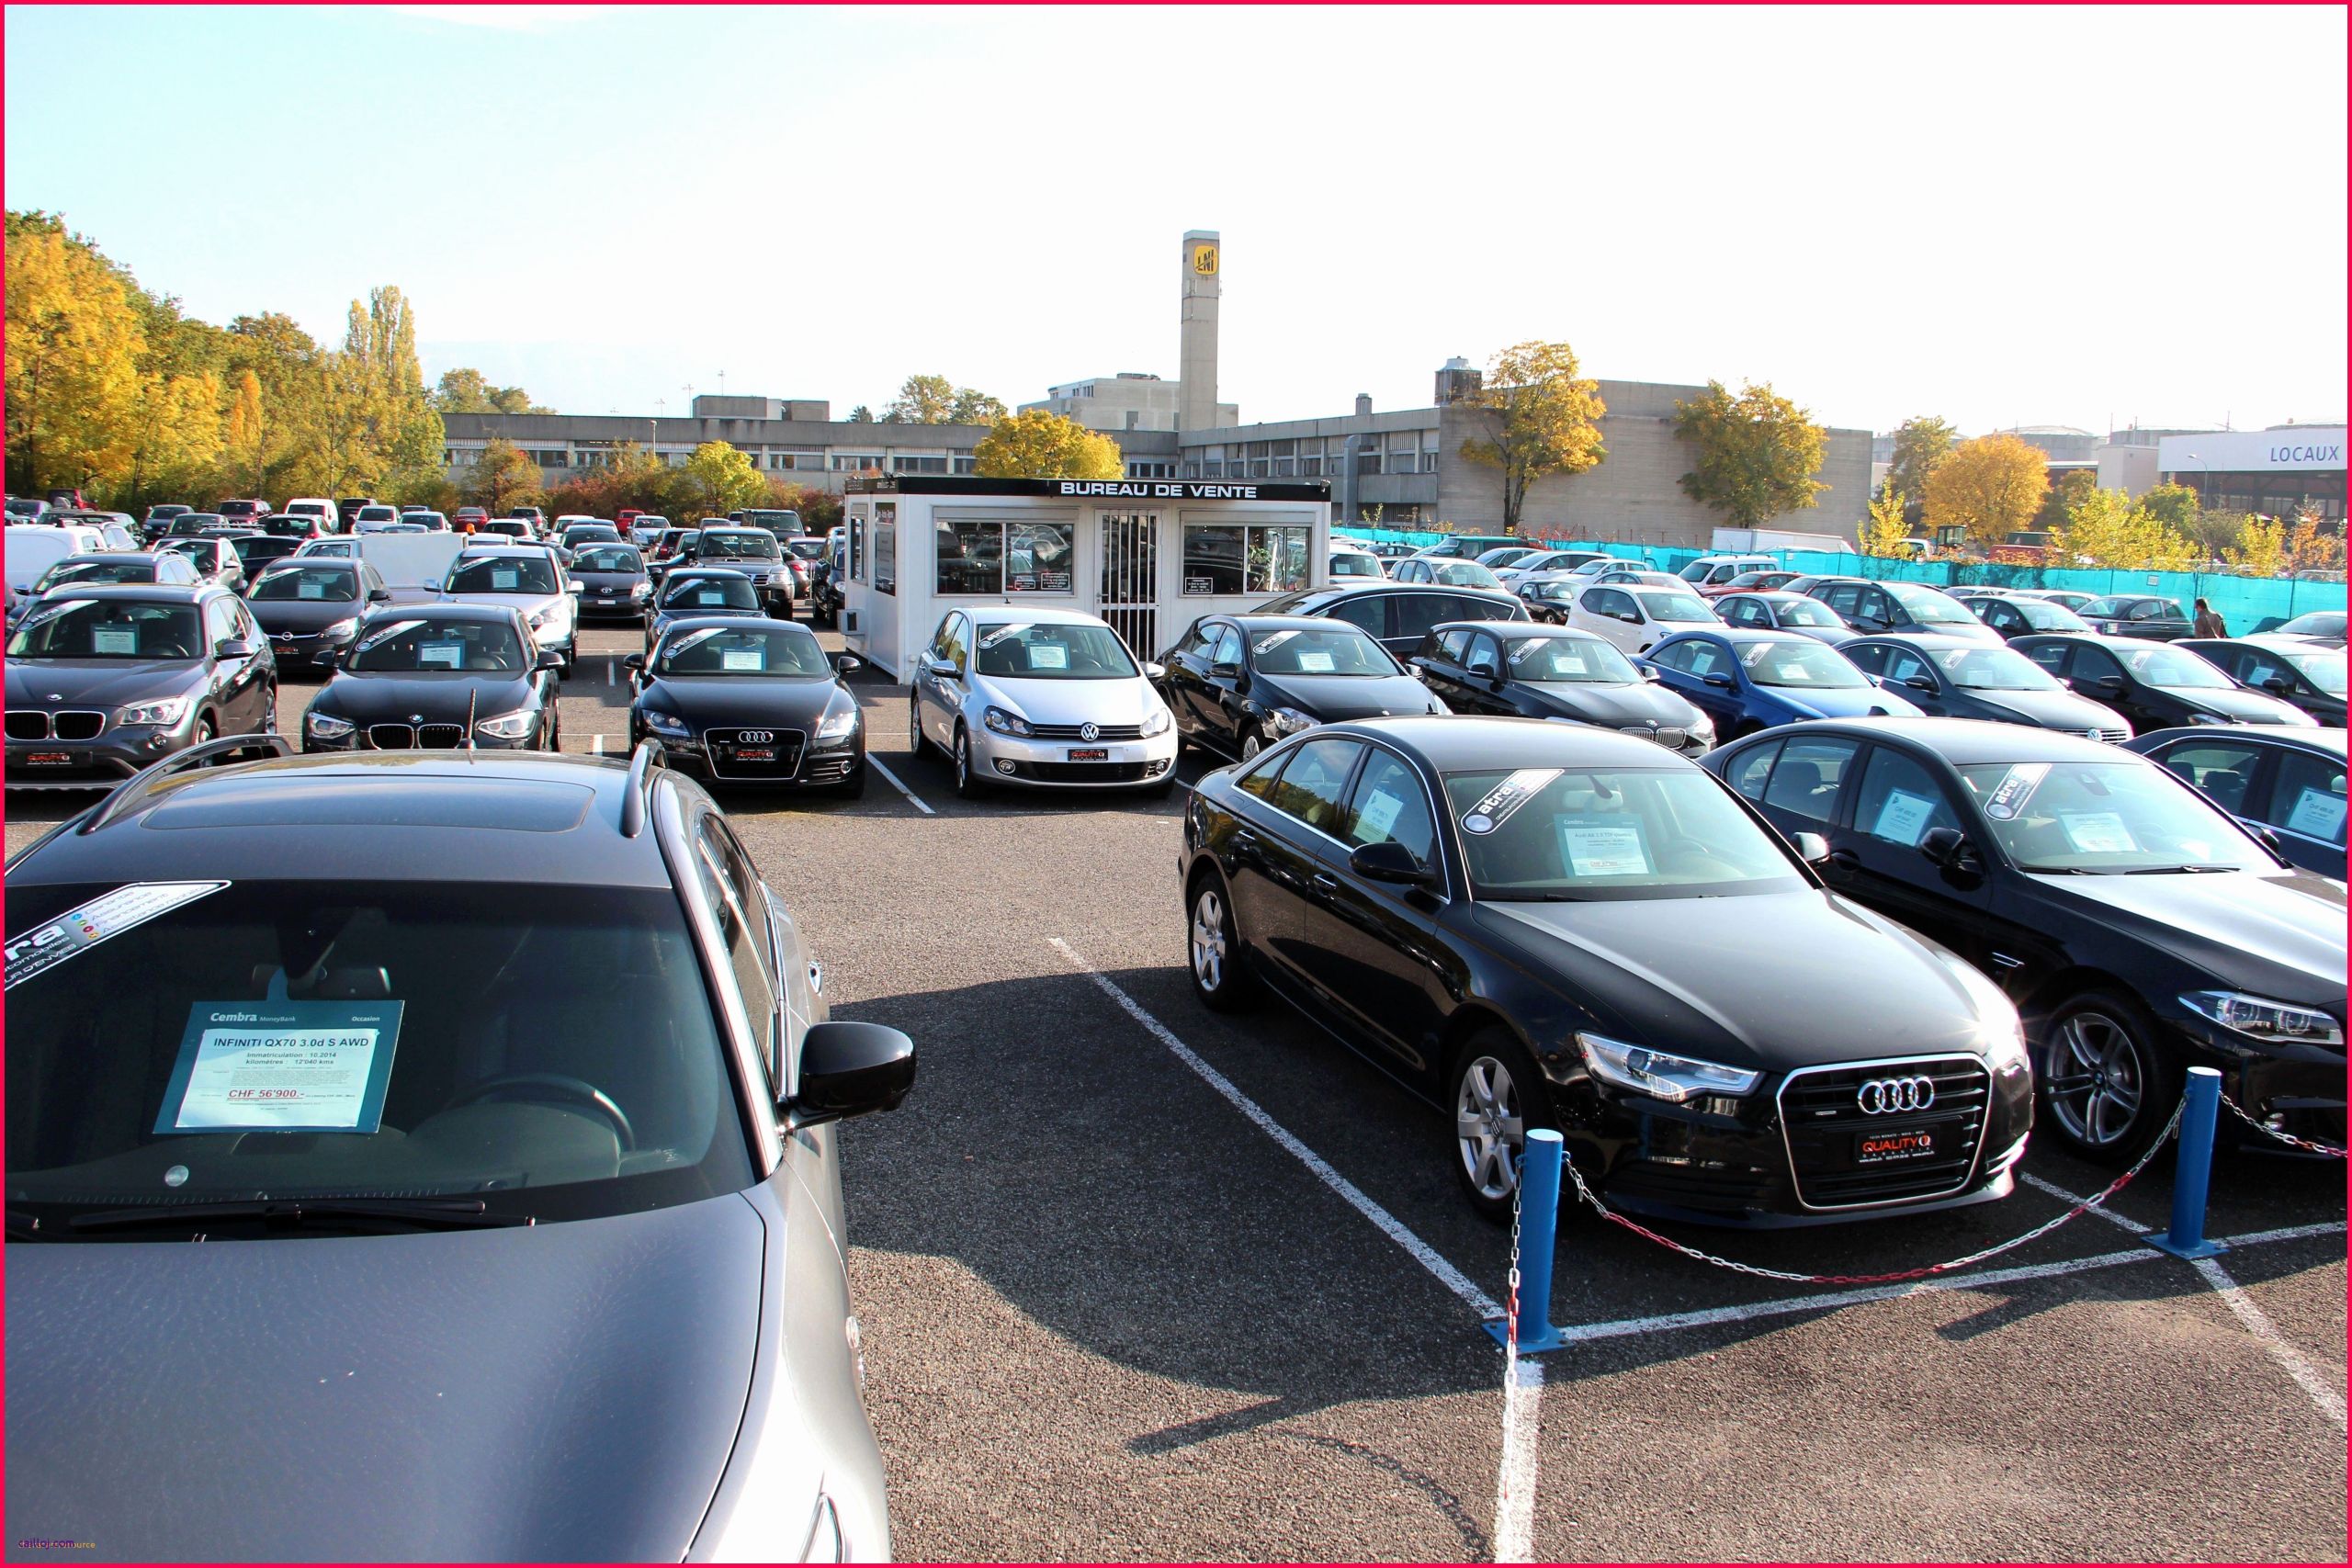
(1130, 401)
(2277, 472)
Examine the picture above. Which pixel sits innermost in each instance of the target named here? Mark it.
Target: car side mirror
(843, 663)
(380, 595)
(633, 661)
(850, 1069)
(327, 657)
(1154, 671)
(2282, 685)
(1717, 678)
(1650, 672)
(2107, 684)
(549, 659)
(1812, 848)
(1390, 861)
(232, 647)
(1228, 669)
(1918, 683)
(574, 588)
(1950, 847)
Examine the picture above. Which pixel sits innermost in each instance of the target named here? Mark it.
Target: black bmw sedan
(1543, 925)
(309, 606)
(438, 677)
(1952, 678)
(1506, 669)
(1238, 683)
(737, 700)
(2153, 685)
(2139, 930)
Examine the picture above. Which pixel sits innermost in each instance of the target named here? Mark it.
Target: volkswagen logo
(1886, 1097)
(1089, 731)
(756, 737)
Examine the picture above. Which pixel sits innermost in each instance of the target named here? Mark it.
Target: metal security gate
(1129, 600)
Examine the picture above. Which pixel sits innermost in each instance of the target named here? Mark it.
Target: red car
(1748, 582)
(465, 519)
(244, 514)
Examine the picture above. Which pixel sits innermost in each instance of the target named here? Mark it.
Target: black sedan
(214, 558)
(613, 582)
(2291, 668)
(759, 702)
(2015, 615)
(1508, 670)
(104, 681)
(438, 677)
(1895, 606)
(2143, 615)
(258, 552)
(700, 591)
(1238, 684)
(1398, 614)
(1948, 678)
(2286, 783)
(1770, 611)
(310, 606)
(2138, 930)
(1549, 597)
(1539, 925)
(2153, 686)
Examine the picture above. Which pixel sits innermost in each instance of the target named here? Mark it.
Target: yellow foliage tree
(74, 344)
(1884, 529)
(1546, 420)
(2308, 549)
(2260, 549)
(1991, 487)
(1041, 445)
(248, 435)
(2108, 528)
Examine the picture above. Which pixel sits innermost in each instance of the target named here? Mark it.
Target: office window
(1236, 558)
(1000, 558)
(1257, 468)
(920, 464)
(854, 462)
(886, 547)
(1213, 468)
(1310, 467)
(967, 464)
(1285, 466)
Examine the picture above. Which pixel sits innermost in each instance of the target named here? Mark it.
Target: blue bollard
(1538, 1228)
(2193, 1172)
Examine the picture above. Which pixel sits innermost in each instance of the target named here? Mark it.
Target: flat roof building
(2277, 472)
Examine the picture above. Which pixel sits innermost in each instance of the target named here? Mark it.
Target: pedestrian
(2208, 623)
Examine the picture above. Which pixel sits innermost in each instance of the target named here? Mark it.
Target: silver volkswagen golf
(1018, 695)
(523, 1215)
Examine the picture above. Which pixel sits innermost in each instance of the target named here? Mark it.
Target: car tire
(1494, 1093)
(1213, 952)
(916, 742)
(1252, 742)
(554, 732)
(2106, 1082)
(969, 785)
(269, 710)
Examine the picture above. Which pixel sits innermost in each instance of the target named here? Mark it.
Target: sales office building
(1149, 557)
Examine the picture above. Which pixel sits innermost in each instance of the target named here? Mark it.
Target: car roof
(1963, 742)
(1042, 614)
(2268, 641)
(2101, 639)
(1520, 629)
(735, 624)
(443, 610)
(1465, 743)
(1747, 634)
(147, 592)
(1928, 641)
(2328, 741)
(1321, 597)
(695, 573)
(1254, 623)
(503, 552)
(1772, 596)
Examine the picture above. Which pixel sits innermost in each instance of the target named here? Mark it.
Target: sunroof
(332, 800)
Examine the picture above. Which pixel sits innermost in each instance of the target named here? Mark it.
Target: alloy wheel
(2095, 1079)
(1489, 1128)
(1251, 745)
(1208, 940)
(963, 761)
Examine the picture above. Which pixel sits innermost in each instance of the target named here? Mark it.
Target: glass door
(1129, 599)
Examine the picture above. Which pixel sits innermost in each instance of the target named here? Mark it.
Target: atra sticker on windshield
(81, 928)
(2017, 786)
(378, 638)
(41, 613)
(1494, 808)
(281, 1066)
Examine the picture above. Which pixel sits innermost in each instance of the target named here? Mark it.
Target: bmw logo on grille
(1089, 731)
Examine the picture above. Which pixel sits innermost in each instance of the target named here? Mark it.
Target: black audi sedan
(1399, 615)
(2154, 684)
(2286, 782)
(700, 591)
(1505, 670)
(438, 677)
(613, 582)
(751, 702)
(1543, 925)
(103, 680)
(1949, 678)
(2139, 930)
(1238, 683)
(307, 607)
(2291, 668)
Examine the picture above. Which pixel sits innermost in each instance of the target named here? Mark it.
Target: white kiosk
(1147, 556)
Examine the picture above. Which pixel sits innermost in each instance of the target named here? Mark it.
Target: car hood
(2052, 710)
(1637, 703)
(98, 682)
(2252, 707)
(524, 605)
(1335, 698)
(1766, 981)
(552, 1393)
(442, 698)
(2278, 935)
(1127, 700)
(783, 704)
(1968, 631)
(594, 580)
(304, 614)
(1841, 702)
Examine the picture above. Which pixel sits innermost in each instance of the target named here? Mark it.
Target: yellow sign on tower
(1204, 260)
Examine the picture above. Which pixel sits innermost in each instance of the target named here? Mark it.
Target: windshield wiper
(455, 1213)
(2062, 871)
(2172, 870)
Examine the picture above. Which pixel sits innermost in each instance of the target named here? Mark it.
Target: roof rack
(142, 782)
(639, 793)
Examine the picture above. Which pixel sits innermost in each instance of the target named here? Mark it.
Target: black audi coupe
(742, 701)
(1538, 924)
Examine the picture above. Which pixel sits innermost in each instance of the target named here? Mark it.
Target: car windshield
(599, 533)
(1582, 660)
(1540, 834)
(1558, 592)
(1802, 611)
(2104, 816)
(107, 629)
(1806, 664)
(1349, 563)
(748, 650)
(1672, 604)
(1335, 650)
(89, 574)
(2319, 623)
(331, 585)
(735, 543)
(1992, 669)
(413, 644)
(2324, 670)
(608, 558)
(688, 594)
(1029, 651)
(502, 574)
(2162, 666)
(807, 550)
(2044, 616)
(554, 1058)
(190, 524)
(375, 514)
(1929, 608)
(1464, 574)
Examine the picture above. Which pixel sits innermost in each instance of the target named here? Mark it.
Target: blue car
(1747, 680)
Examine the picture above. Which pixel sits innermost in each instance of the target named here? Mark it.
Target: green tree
(2260, 548)
(1043, 445)
(468, 391)
(1920, 443)
(723, 478)
(248, 434)
(973, 407)
(502, 477)
(1990, 487)
(1757, 453)
(1884, 528)
(934, 400)
(2107, 529)
(74, 343)
(860, 414)
(1544, 419)
(2181, 509)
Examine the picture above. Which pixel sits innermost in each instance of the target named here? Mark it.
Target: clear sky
(1999, 216)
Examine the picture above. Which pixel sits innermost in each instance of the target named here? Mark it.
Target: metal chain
(1510, 1306)
(2039, 1231)
(2241, 1114)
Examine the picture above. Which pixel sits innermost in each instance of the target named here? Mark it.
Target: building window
(1004, 558)
(886, 547)
(1257, 468)
(1367, 462)
(1310, 467)
(854, 462)
(1213, 468)
(1244, 557)
(920, 464)
(968, 465)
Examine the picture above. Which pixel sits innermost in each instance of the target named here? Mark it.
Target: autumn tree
(1756, 453)
(2107, 528)
(74, 343)
(468, 391)
(860, 414)
(1544, 419)
(1039, 445)
(2063, 496)
(247, 434)
(1921, 443)
(501, 478)
(934, 400)
(2310, 547)
(1884, 528)
(723, 478)
(2260, 547)
(1991, 487)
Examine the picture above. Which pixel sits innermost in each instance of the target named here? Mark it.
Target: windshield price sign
(282, 1066)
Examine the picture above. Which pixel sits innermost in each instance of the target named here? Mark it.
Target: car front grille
(1673, 737)
(2112, 736)
(27, 724)
(829, 770)
(723, 746)
(80, 723)
(1821, 1120)
(1089, 773)
(1071, 732)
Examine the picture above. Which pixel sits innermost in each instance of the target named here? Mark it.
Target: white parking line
(611, 664)
(1515, 1482)
(595, 746)
(876, 762)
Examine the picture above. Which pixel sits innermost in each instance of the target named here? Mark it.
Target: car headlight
(1005, 723)
(1288, 721)
(326, 727)
(1660, 1075)
(2206, 718)
(2264, 1019)
(509, 725)
(342, 631)
(2004, 1044)
(639, 590)
(538, 620)
(667, 724)
(840, 720)
(1158, 723)
(166, 712)
(1702, 725)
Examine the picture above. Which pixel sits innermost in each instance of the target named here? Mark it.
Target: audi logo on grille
(1885, 1097)
(1089, 731)
(756, 737)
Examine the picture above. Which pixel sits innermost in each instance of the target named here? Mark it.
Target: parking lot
(1138, 1281)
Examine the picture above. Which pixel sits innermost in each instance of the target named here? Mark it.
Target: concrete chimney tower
(1196, 364)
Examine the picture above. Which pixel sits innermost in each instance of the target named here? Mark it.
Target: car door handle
(1323, 881)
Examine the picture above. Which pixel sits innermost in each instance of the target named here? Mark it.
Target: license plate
(1089, 754)
(755, 753)
(48, 759)
(1892, 1148)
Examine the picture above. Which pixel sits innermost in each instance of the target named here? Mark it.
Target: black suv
(1399, 615)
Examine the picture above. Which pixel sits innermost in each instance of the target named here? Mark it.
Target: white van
(322, 513)
(33, 548)
(412, 565)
